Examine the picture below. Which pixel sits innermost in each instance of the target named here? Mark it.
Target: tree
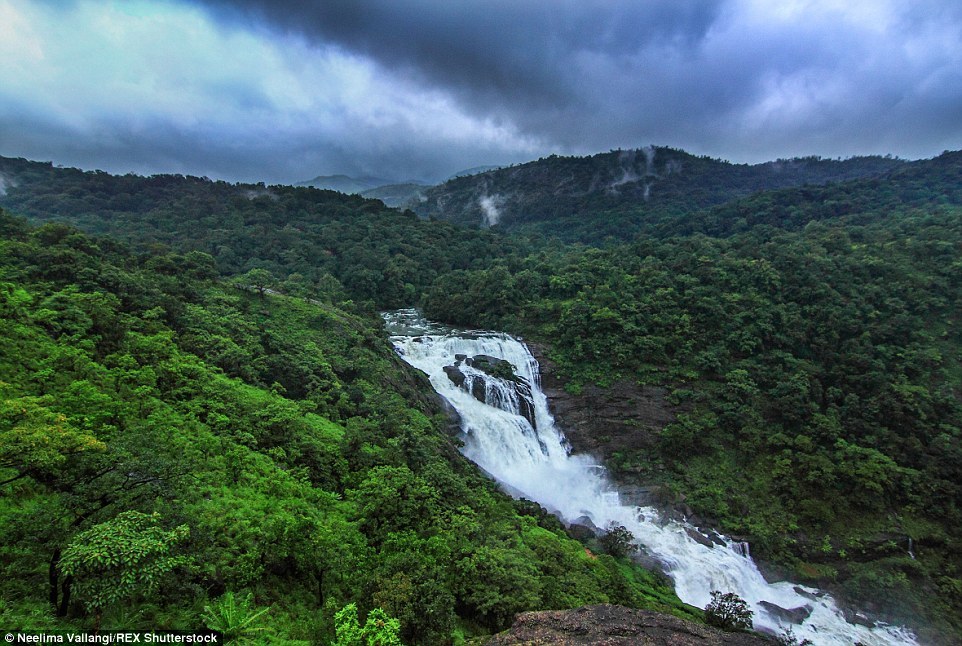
(618, 541)
(728, 611)
(36, 441)
(115, 560)
(259, 279)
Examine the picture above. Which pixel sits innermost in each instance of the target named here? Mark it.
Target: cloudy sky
(281, 91)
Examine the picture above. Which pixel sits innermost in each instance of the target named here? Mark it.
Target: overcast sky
(282, 91)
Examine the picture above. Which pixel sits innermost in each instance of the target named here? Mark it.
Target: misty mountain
(613, 193)
(396, 195)
(345, 184)
(474, 170)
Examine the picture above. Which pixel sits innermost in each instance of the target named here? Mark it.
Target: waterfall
(529, 454)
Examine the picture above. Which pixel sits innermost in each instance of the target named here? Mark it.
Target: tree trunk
(54, 579)
(320, 587)
(65, 596)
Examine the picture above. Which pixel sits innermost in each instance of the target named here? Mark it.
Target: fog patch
(649, 153)
(252, 194)
(628, 176)
(490, 206)
(628, 165)
(5, 183)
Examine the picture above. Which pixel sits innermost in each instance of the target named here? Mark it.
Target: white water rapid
(537, 464)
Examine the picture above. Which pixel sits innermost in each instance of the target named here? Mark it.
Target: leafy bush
(235, 619)
(618, 541)
(728, 611)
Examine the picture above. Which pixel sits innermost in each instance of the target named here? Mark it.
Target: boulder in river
(493, 366)
(792, 615)
(813, 596)
(455, 375)
(698, 537)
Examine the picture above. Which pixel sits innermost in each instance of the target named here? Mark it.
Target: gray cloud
(737, 79)
(280, 91)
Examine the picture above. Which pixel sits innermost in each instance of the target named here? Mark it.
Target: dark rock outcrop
(590, 524)
(498, 369)
(792, 615)
(493, 366)
(814, 596)
(581, 532)
(623, 417)
(698, 537)
(479, 390)
(616, 626)
(455, 375)
(525, 401)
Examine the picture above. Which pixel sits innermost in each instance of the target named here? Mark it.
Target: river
(532, 458)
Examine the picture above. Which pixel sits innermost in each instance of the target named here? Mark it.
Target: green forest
(202, 413)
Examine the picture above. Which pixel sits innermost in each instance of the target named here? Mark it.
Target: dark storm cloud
(487, 51)
(546, 66)
(737, 79)
(282, 91)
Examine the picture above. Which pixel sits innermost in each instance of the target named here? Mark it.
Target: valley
(775, 357)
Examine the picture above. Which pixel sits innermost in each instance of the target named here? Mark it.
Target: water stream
(520, 446)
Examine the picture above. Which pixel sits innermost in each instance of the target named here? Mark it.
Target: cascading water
(529, 454)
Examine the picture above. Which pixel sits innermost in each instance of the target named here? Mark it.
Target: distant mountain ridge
(646, 182)
(345, 183)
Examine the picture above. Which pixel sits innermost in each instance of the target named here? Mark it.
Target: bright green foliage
(310, 464)
(114, 560)
(809, 337)
(36, 441)
(235, 618)
(379, 629)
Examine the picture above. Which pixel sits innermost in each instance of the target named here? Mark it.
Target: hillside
(171, 440)
(324, 241)
(621, 192)
(395, 194)
(800, 372)
(929, 185)
(344, 183)
(804, 340)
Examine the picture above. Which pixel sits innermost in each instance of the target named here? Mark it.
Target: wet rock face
(500, 370)
(616, 626)
(603, 421)
(455, 375)
(793, 615)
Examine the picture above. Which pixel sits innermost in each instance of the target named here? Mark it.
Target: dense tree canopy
(169, 440)
(229, 359)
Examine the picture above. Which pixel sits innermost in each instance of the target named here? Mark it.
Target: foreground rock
(616, 626)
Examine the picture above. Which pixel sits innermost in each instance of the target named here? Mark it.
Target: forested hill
(315, 240)
(180, 451)
(573, 197)
(928, 185)
(809, 336)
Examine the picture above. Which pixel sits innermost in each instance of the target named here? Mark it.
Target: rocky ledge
(616, 626)
(603, 421)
